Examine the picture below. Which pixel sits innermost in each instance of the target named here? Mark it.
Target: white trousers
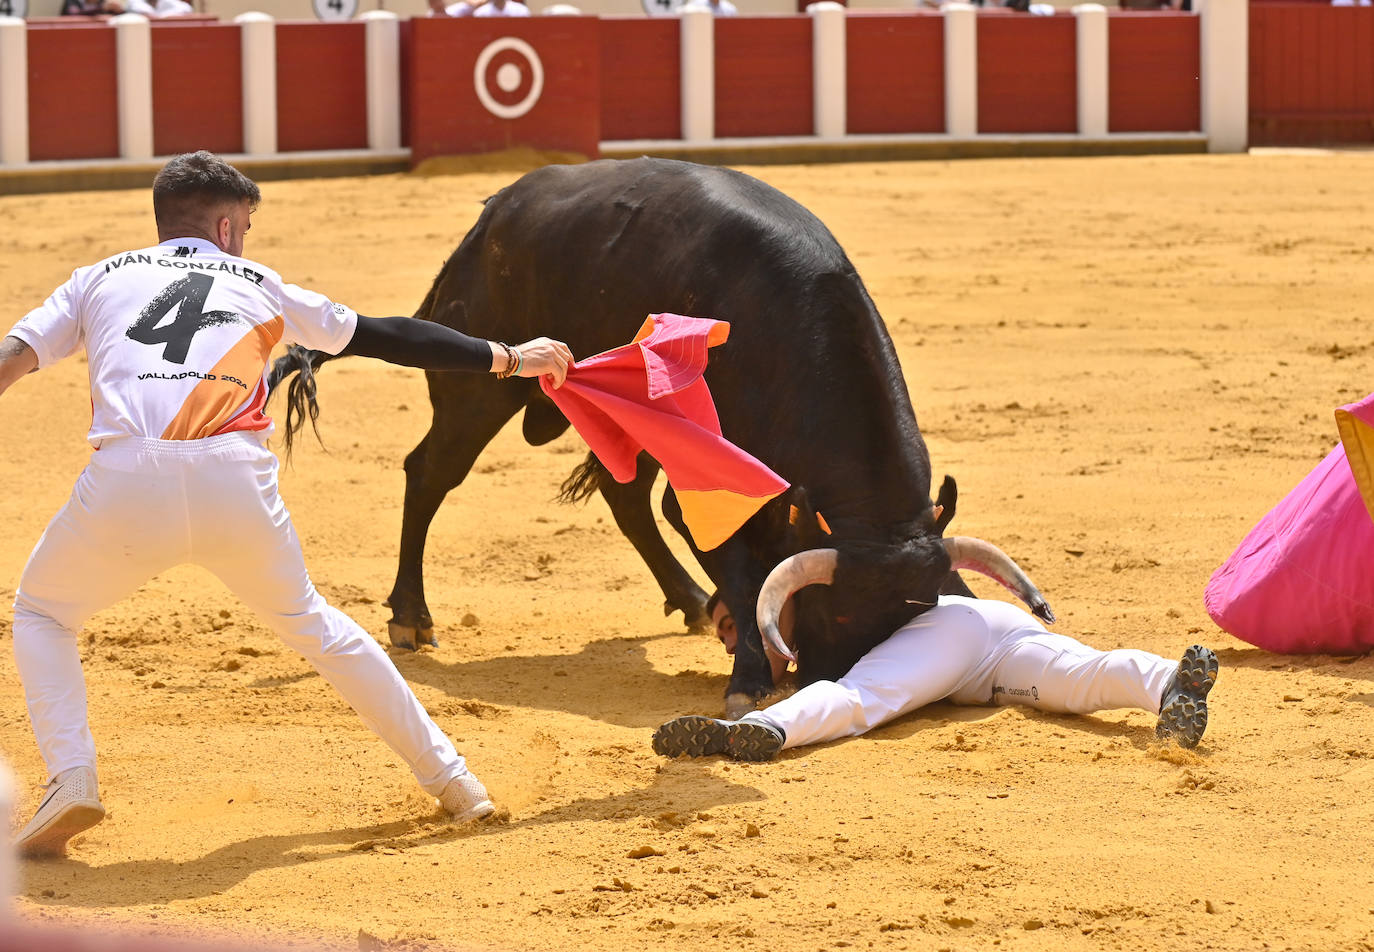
(970, 651)
(142, 506)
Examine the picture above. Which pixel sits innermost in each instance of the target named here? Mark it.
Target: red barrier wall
(73, 112)
(197, 88)
(321, 86)
(1311, 74)
(763, 77)
(446, 115)
(1154, 60)
(1027, 74)
(895, 69)
(641, 96)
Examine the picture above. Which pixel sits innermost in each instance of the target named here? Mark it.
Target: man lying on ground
(966, 651)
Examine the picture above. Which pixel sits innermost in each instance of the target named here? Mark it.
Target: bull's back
(584, 252)
(590, 249)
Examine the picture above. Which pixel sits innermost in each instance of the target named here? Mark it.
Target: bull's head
(875, 588)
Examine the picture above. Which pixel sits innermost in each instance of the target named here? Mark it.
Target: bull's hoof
(1041, 609)
(409, 637)
(695, 618)
(701, 625)
(738, 705)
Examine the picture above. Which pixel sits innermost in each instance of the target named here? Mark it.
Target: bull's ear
(805, 527)
(944, 504)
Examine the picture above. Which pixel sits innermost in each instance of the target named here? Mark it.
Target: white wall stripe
(828, 64)
(14, 91)
(259, 83)
(134, 84)
(1225, 37)
(698, 74)
(961, 70)
(383, 43)
(1092, 68)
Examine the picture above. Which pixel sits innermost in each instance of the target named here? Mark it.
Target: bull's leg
(730, 566)
(468, 412)
(630, 505)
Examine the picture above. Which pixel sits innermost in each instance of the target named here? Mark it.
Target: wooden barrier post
(383, 43)
(14, 91)
(134, 84)
(1091, 23)
(1225, 36)
(697, 37)
(259, 32)
(828, 68)
(961, 70)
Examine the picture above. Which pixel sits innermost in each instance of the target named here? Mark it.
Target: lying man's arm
(414, 343)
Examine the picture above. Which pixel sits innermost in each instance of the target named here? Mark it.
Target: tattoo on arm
(16, 359)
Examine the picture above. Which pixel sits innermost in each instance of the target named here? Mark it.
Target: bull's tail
(299, 365)
(583, 481)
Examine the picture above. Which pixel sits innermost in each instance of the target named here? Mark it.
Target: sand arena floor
(1124, 362)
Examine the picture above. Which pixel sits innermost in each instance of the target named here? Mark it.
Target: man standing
(178, 336)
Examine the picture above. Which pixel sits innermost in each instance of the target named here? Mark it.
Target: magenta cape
(1302, 581)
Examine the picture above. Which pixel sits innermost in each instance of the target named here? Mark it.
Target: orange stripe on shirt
(212, 402)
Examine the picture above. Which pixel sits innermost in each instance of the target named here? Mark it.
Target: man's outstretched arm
(429, 346)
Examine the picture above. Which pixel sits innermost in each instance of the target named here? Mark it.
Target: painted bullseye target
(508, 77)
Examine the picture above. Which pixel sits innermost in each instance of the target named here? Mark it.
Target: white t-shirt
(513, 8)
(178, 337)
(160, 8)
(722, 9)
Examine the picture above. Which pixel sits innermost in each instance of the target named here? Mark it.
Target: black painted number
(188, 296)
(6, 8)
(335, 5)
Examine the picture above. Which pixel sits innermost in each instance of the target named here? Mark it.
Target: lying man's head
(728, 635)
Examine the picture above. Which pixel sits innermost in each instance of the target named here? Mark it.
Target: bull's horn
(967, 552)
(791, 575)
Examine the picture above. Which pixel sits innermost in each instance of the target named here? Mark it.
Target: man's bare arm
(16, 359)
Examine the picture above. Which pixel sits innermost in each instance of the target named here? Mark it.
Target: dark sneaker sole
(1184, 715)
(698, 736)
(51, 840)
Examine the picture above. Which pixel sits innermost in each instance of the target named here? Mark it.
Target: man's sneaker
(698, 736)
(466, 799)
(1183, 712)
(70, 805)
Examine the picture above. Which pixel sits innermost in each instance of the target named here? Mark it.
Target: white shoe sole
(474, 812)
(50, 839)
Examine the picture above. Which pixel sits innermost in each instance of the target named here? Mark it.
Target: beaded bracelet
(512, 361)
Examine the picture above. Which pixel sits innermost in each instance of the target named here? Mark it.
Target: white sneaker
(70, 805)
(466, 799)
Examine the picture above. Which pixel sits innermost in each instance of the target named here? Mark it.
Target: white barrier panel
(259, 32)
(1225, 74)
(697, 36)
(961, 70)
(383, 44)
(134, 84)
(14, 91)
(828, 65)
(1091, 26)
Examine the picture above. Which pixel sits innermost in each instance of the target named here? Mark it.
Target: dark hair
(193, 185)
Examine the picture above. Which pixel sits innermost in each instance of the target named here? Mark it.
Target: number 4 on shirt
(188, 296)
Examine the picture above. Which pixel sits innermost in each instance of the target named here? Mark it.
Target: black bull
(808, 383)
